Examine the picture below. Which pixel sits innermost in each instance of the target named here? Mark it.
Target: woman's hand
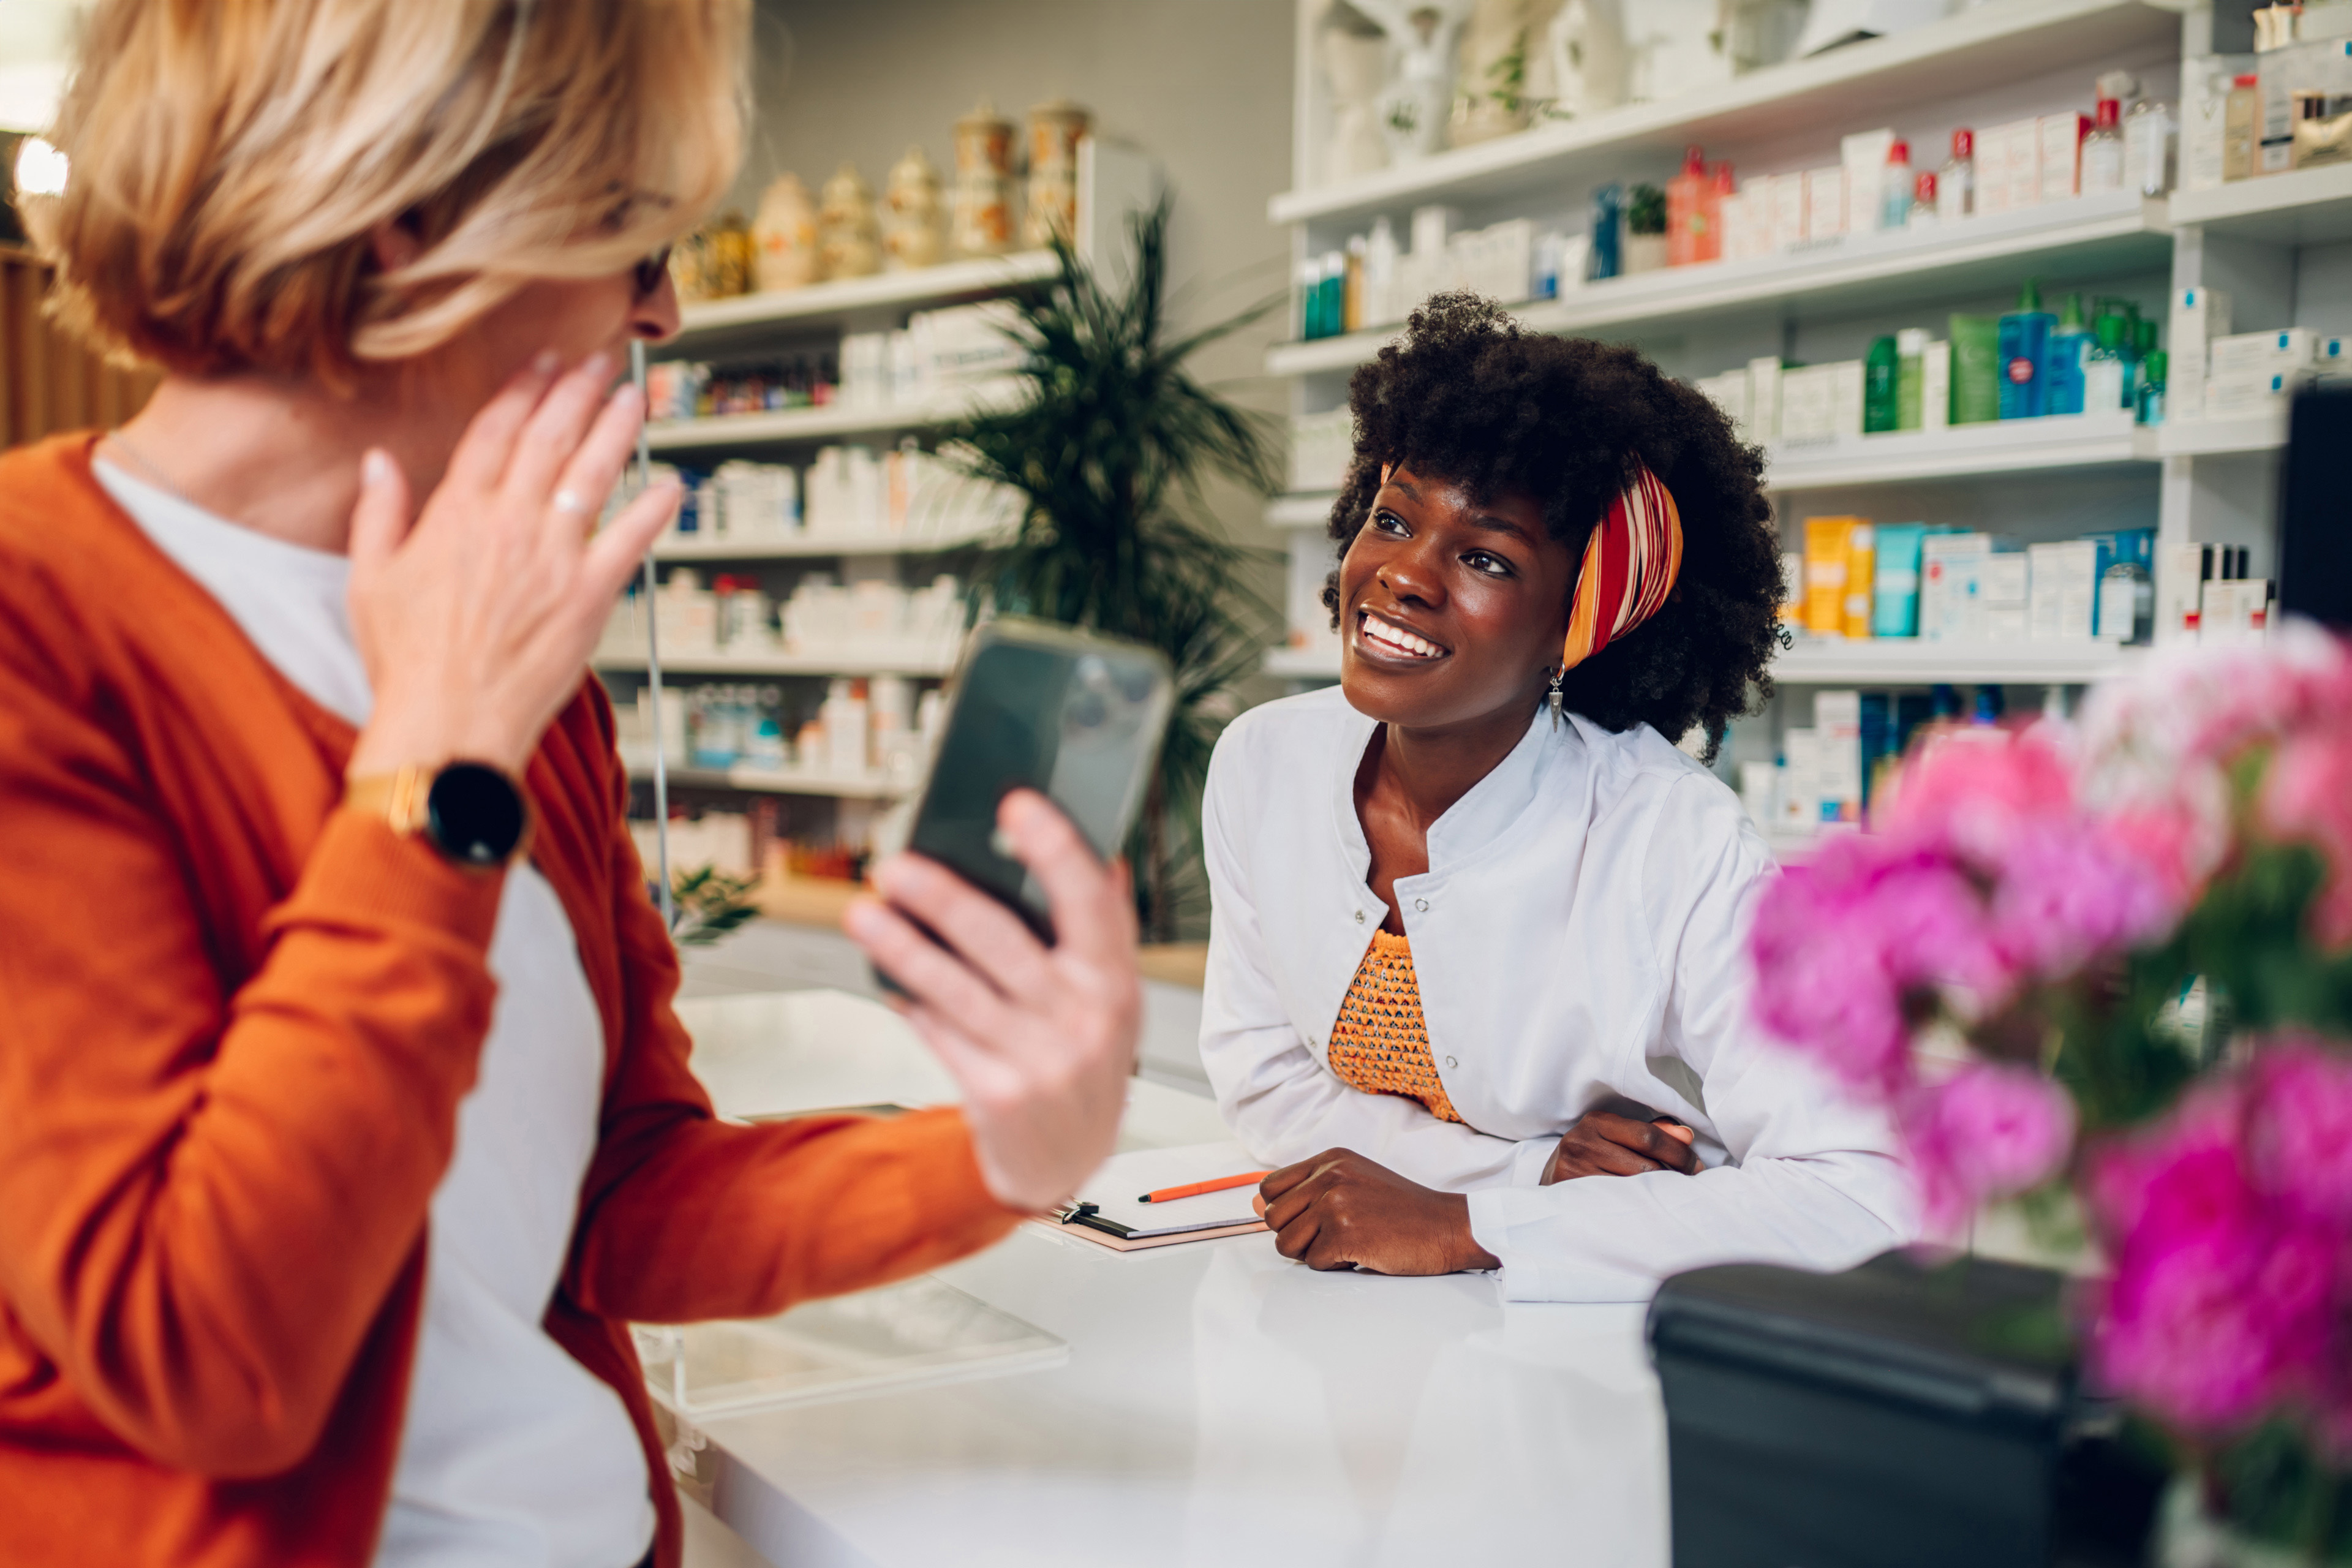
(1600, 1144)
(1339, 1210)
(1041, 1039)
(475, 621)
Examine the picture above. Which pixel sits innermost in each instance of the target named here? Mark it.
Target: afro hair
(1471, 397)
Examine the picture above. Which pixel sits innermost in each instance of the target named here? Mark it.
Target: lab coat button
(1452, 1063)
(1359, 917)
(1422, 904)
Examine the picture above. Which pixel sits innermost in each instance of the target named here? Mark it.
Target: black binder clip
(1076, 1211)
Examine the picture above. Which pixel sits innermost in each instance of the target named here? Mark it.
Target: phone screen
(1076, 717)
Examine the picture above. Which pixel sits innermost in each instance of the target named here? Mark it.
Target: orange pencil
(1194, 1189)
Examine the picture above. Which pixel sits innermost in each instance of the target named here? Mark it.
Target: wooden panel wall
(48, 383)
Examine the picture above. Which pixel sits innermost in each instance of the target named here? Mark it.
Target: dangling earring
(1553, 699)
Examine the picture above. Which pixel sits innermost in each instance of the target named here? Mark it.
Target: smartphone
(1076, 717)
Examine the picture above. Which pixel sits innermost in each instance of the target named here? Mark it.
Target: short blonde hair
(230, 159)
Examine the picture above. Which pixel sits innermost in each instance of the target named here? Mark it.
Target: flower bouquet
(2105, 971)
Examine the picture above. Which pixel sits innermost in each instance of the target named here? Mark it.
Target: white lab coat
(1579, 940)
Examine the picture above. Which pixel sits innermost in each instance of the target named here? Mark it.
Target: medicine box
(2250, 391)
(2200, 316)
(2290, 347)
(1825, 202)
(2060, 141)
(1827, 541)
(1860, 577)
(2180, 574)
(1894, 580)
(2064, 590)
(1764, 399)
(2237, 611)
(1837, 731)
(1863, 157)
(1951, 609)
(1787, 214)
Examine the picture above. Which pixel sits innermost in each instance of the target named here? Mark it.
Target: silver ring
(569, 500)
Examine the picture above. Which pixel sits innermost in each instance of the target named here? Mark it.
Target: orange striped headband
(1629, 566)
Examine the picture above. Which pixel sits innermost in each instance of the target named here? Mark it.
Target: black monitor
(2314, 541)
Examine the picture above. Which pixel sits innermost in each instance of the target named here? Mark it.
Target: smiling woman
(1470, 943)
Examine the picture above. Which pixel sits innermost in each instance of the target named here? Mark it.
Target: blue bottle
(2024, 350)
(1606, 257)
(2062, 385)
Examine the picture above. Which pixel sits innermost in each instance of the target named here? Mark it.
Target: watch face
(475, 814)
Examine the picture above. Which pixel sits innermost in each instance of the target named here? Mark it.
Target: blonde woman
(346, 1122)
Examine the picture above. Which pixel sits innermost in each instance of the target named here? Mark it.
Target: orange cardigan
(236, 1024)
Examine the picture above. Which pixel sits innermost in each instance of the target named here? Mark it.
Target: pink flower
(2064, 892)
(2299, 1127)
(2307, 794)
(1841, 943)
(1971, 789)
(1990, 1130)
(2226, 1227)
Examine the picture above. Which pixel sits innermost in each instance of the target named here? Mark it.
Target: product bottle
(2024, 347)
(1896, 187)
(1310, 302)
(1880, 369)
(2128, 604)
(2102, 150)
(1380, 274)
(2147, 147)
(2153, 370)
(1956, 188)
(2062, 389)
(1608, 251)
(1910, 377)
(1686, 210)
(2241, 127)
(1720, 188)
(2143, 349)
(1925, 209)
(1976, 369)
(1334, 285)
(2104, 372)
(1351, 294)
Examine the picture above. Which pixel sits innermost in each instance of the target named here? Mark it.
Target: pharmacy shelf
(1905, 661)
(730, 547)
(2221, 437)
(785, 426)
(1984, 49)
(2068, 441)
(876, 661)
(1301, 509)
(2086, 239)
(2309, 207)
(784, 781)
(853, 303)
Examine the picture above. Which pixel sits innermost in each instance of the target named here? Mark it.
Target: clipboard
(1108, 1210)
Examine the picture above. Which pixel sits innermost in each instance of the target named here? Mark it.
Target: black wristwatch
(474, 814)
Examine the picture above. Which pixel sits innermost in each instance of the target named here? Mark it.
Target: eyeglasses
(647, 274)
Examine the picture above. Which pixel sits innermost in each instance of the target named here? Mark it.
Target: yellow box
(1860, 577)
(1825, 573)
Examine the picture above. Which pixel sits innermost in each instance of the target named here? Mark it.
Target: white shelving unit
(783, 780)
(690, 547)
(852, 304)
(784, 426)
(2066, 442)
(1982, 50)
(851, 659)
(2264, 241)
(2064, 243)
(1114, 182)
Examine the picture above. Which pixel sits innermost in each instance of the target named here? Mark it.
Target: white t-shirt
(512, 1453)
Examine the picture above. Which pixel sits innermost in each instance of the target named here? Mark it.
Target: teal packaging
(1894, 585)
(2024, 349)
(2062, 385)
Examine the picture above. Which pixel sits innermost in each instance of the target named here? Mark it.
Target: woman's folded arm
(220, 1185)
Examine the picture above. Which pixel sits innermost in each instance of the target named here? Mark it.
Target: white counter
(1220, 1406)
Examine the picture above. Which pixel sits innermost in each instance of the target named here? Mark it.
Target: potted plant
(1645, 230)
(1110, 444)
(2140, 929)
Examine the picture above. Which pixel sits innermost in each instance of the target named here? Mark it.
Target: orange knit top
(1381, 1044)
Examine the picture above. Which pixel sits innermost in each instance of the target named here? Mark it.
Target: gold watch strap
(398, 796)
(402, 799)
